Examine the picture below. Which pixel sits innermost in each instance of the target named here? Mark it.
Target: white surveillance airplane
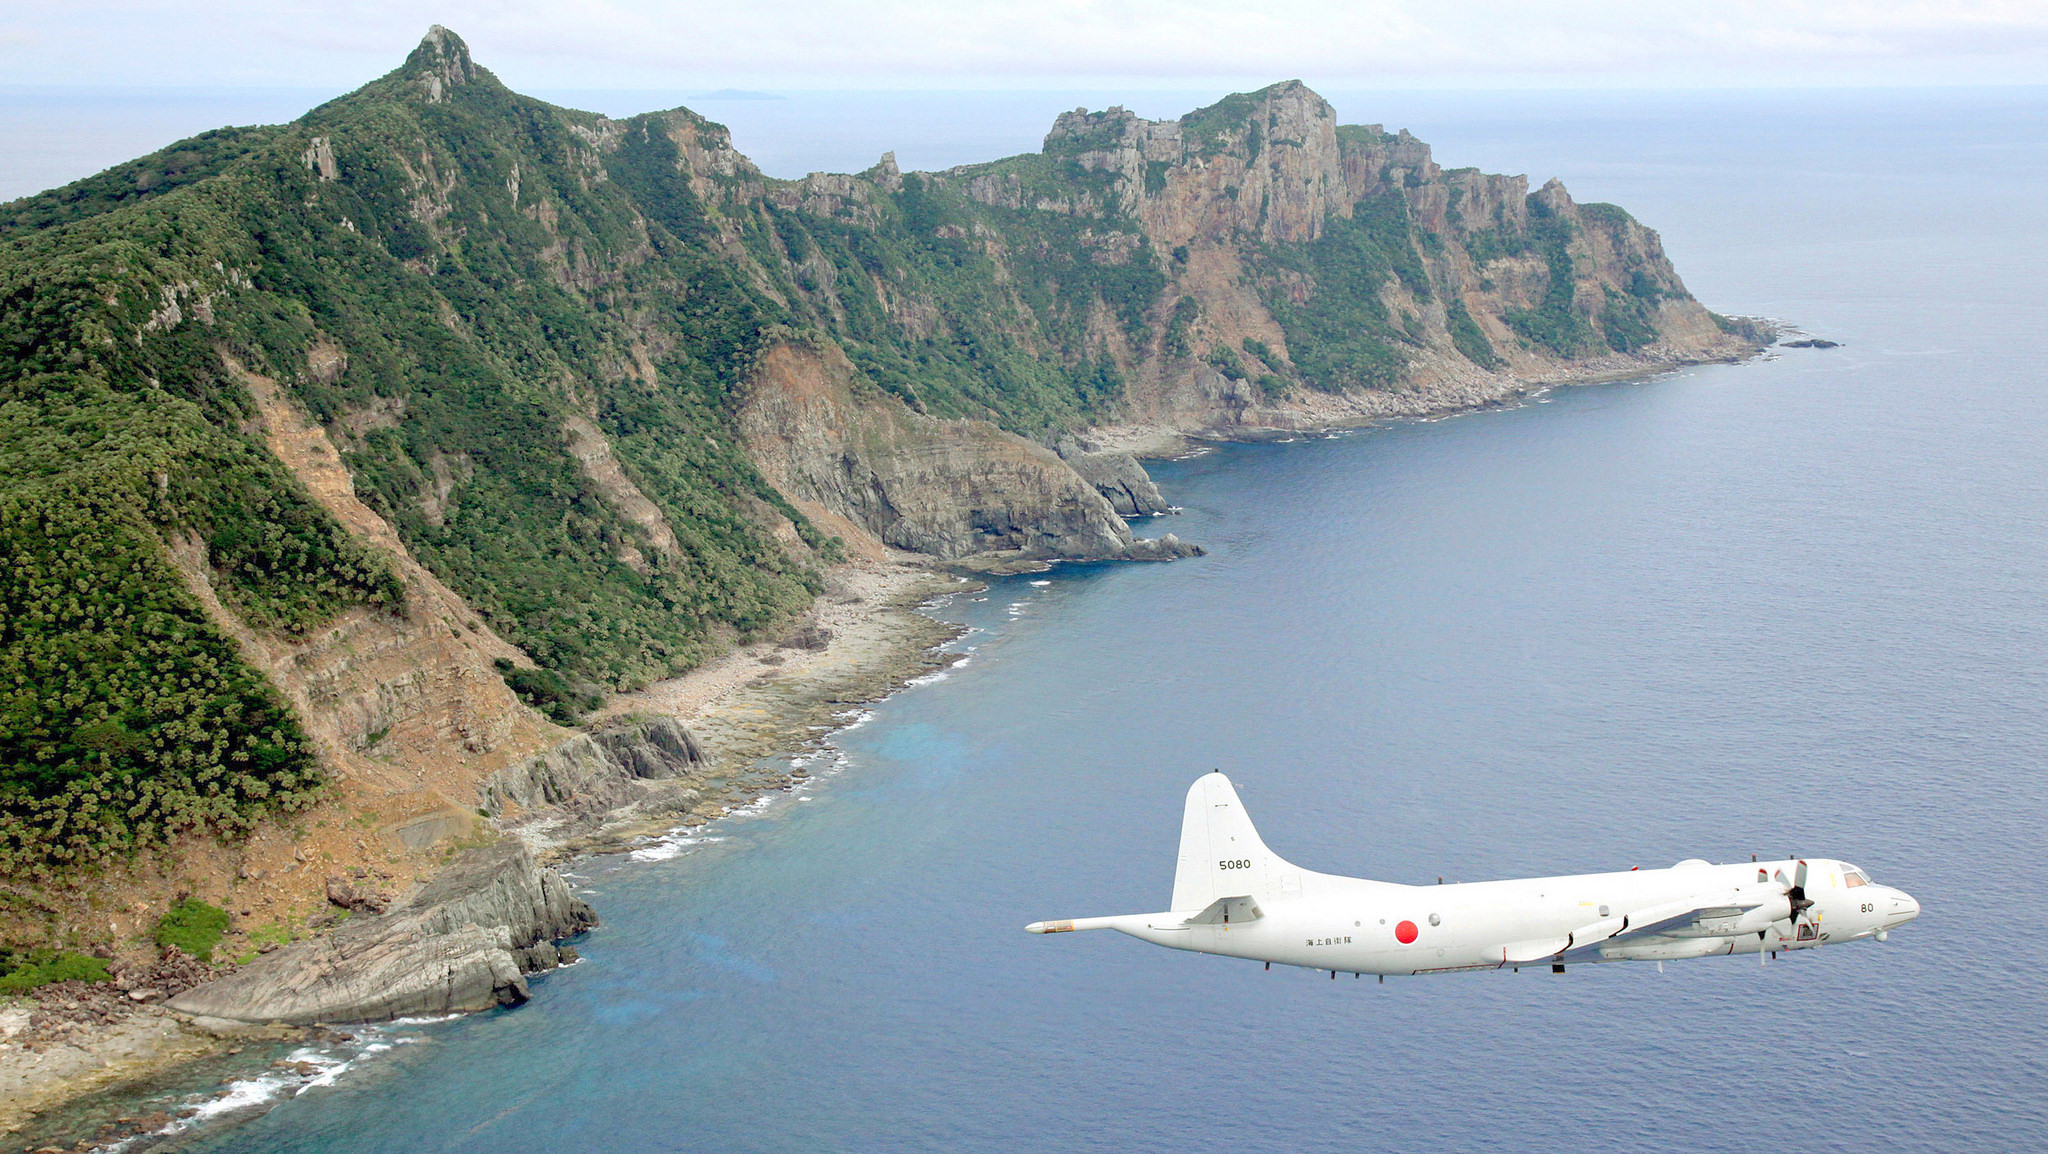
(1232, 896)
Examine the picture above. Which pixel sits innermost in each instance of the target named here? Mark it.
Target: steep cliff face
(1264, 166)
(947, 489)
(1317, 271)
(622, 773)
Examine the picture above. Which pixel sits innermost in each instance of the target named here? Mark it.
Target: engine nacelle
(1771, 908)
(1668, 951)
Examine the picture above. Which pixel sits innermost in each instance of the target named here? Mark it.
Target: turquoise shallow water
(1795, 605)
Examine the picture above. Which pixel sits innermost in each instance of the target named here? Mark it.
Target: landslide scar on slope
(408, 701)
(593, 453)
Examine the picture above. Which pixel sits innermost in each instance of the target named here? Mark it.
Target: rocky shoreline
(677, 754)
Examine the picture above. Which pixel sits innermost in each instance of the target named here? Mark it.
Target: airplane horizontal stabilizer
(1225, 911)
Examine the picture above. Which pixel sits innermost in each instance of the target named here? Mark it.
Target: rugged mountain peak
(1264, 163)
(885, 173)
(1082, 130)
(439, 64)
(1555, 200)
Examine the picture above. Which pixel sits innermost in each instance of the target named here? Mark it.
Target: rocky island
(443, 482)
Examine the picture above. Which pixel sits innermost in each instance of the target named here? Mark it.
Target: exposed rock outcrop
(465, 941)
(645, 767)
(948, 489)
(1488, 266)
(417, 683)
(1119, 477)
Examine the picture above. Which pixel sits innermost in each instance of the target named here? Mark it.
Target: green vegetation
(1625, 323)
(282, 933)
(1343, 337)
(1175, 342)
(1467, 336)
(1364, 135)
(460, 291)
(1555, 324)
(1224, 360)
(984, 358)
(193, 927)
(126, 305)
(1605, 215)
(1224, 123)
(183, 163)
(125, 716)
(24, 970)
(1491, 244)
(549, 692)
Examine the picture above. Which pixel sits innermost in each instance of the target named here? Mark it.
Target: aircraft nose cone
(1903, 909)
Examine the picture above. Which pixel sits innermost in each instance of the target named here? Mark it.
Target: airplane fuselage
(1233, 896)
(1349, 925)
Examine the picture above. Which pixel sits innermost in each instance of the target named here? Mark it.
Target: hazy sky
(787, 44)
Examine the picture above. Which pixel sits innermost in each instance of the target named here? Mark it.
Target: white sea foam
(1041, 584)
(244, 1094)
(327, 1067)
(669, 845)
(308, 1068)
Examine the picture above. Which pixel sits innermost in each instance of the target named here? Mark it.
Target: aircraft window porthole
(1603, 911)
(1435, 920)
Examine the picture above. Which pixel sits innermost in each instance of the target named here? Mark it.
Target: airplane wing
(1586, 941)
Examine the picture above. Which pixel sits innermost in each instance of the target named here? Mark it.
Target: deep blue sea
(1797, 605)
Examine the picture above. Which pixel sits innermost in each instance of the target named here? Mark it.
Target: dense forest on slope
(528, 330)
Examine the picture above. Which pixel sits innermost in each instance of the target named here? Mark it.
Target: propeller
(1795, 891)
(1797, 894)
(1796, 901)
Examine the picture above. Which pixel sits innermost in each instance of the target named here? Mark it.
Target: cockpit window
(1853, 877)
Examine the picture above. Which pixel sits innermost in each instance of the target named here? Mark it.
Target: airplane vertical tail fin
(1221, 855)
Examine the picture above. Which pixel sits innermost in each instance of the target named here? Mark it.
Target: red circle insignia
(1405, 933)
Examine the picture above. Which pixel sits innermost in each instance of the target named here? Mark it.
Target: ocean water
(1797, 605)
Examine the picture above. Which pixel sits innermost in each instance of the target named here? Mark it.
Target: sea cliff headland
(495, 481)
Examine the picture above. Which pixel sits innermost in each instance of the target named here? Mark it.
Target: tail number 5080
(1238, 864)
